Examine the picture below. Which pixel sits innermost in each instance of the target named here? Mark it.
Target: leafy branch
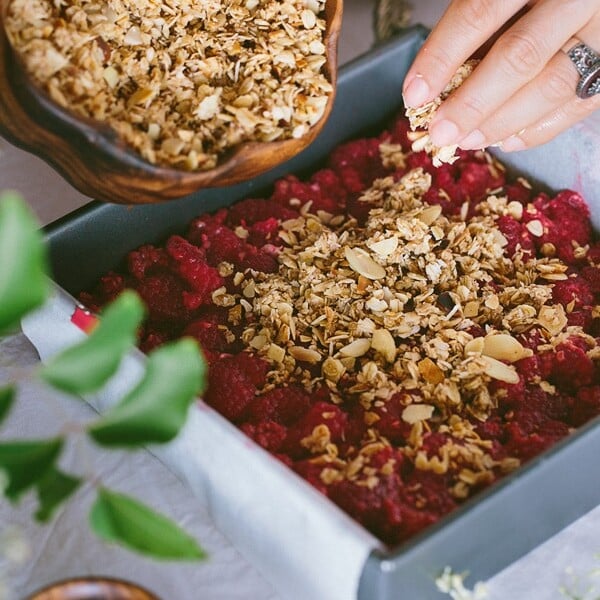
(153, 412)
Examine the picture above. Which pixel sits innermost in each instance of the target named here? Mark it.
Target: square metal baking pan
(497, 526)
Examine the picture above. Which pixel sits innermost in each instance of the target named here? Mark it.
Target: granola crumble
(396, 333)
(182, 82)
(420, 118)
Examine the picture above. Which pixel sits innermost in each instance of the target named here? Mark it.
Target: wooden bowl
(93, 588)
(93, 159)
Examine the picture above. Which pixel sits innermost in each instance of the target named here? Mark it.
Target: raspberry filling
(399, 335)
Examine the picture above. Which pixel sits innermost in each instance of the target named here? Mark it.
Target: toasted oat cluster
(400, 335)
(181, 81)
(421, 117)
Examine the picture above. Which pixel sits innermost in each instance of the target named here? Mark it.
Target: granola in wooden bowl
(184, 94)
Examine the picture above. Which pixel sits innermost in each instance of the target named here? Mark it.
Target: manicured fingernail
(444, 133)
(416, 92)
(513, 144)
(473, 141)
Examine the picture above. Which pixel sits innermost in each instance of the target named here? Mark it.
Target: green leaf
(53, 489)
(25, 463)
(87, 366)
(23, 262)
(7, 397)
(156, 409)
(121, 519)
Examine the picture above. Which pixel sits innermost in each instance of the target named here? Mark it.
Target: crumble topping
(182, 82)
(400, 335)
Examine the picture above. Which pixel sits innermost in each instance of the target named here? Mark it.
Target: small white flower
(453, 584)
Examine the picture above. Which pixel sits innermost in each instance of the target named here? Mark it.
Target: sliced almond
(535, 227)
(430, 371)
(356, 348)
(309, 19)
(414, 413)
(385, 247)
(305, 354)
(430, 214)
(504, 347)
(363, 264)
(383, 342)
(475, 346)
(500, 371)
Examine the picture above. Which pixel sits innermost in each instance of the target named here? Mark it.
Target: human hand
(523, 93)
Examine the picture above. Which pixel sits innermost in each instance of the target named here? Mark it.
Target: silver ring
(587, 63)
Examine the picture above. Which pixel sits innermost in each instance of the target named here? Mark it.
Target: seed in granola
(363, 264)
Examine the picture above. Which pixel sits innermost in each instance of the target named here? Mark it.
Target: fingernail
(473, 141)
(444, 133)
(513, 144)
(416, 92)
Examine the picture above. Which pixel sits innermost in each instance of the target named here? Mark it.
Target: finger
(552, 89)
(464, 27)
(516, 58)
(551, 125)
